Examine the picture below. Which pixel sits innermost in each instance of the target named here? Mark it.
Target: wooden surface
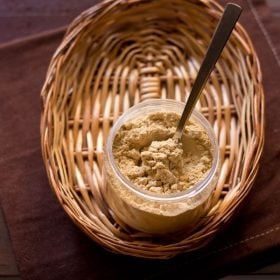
(20, 18)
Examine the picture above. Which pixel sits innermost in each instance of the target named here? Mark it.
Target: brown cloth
(48, 245)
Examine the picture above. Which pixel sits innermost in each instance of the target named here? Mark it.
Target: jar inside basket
(144, 188)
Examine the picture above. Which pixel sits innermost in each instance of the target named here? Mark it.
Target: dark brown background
(19, 18)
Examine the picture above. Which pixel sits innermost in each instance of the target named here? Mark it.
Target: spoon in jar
(218, 41)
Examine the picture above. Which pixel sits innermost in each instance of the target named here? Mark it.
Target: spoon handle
(218, 41)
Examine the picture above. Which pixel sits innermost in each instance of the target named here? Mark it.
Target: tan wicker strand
(119, 53)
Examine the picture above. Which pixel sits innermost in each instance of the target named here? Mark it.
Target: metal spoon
(218, 41)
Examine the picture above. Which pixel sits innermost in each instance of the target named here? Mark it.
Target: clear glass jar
(150, 212)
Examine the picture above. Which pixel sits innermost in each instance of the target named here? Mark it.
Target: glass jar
(150, 212)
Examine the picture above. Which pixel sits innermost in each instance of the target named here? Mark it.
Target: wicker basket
(121, 52)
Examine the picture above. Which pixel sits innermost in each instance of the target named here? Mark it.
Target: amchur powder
(149, 156)
(154, 183)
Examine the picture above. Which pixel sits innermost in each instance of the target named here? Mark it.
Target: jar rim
(191, 192)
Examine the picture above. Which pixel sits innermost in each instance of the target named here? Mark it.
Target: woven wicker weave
(121, 52)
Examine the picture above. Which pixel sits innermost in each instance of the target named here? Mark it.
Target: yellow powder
(152, 160)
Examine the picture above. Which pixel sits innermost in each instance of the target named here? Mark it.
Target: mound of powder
(152, 160)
